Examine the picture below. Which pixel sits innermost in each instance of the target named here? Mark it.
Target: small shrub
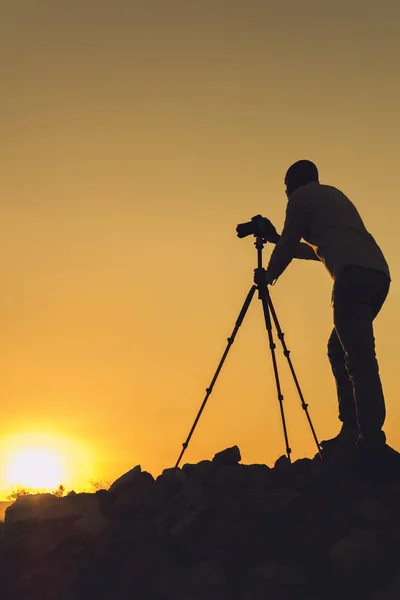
(21, 490)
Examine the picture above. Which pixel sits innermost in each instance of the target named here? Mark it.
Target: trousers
(357, 297)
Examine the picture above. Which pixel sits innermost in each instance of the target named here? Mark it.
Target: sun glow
(43, 461)
(36, 468)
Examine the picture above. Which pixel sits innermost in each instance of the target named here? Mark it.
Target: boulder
(175, 477)
(43, 533)
(391, 591)
(228, 457)
(282, 464)
(200, 580)
(82, 511)
(291, 574)
(200, 471)
(133, 478)
(361, 551)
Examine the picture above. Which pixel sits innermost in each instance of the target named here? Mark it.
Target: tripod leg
(286, 352)
(263, 295)
(231, 339)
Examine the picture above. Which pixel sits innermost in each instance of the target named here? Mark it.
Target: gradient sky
(135, 135)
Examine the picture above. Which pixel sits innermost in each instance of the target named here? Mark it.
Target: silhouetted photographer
(334, 233)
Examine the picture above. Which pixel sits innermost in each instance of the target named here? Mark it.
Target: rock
(232, 476)
(286, 573)
(257, 476)
(175, 477)
(283, 499)
(203, 578)
(259, 470)
(191, 496)
(318, 467)
(300, 473)
(206, 574)
(146, 502)
(393, 589)
(361, 550)
(34, 506)
(282, 464)
(228, 457)
(82, 511)
(239, 476)
(391, 592)
(372, 512)
(132, 478)
(184, 523)
(303, 467)
(262, 589)
(45, 542)
(200, 471)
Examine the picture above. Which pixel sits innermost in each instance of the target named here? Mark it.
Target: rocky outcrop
(214, 530)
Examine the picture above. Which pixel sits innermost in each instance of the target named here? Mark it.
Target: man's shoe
(346, 437)
(372, 439)
(341, 449)
(376, 460)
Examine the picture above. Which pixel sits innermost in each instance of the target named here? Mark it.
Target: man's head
(299, 174)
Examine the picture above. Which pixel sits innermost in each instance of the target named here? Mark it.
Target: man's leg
(344, 386)
(358, 298)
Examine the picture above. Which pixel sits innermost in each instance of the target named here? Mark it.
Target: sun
(36, 468)
(41, 461)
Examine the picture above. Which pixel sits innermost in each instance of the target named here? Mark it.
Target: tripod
(268, 309)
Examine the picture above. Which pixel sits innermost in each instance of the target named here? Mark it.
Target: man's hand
(265, 229)
(261, 278)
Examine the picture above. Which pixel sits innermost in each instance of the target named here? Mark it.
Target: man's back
(334, 228)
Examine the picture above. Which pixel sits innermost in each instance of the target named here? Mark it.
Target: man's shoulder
(313, 192)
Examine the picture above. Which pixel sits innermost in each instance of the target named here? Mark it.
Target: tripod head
(260, 242)
(259, 272)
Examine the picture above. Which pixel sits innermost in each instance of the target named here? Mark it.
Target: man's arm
(304, 251)
(289, 246)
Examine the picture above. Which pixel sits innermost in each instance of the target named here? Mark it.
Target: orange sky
(134, 137)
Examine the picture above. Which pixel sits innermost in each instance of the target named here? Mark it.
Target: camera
(259, 226)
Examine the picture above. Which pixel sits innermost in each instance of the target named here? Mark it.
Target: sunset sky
(135, 135)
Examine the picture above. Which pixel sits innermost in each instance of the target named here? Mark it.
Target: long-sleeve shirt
(333, 230)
